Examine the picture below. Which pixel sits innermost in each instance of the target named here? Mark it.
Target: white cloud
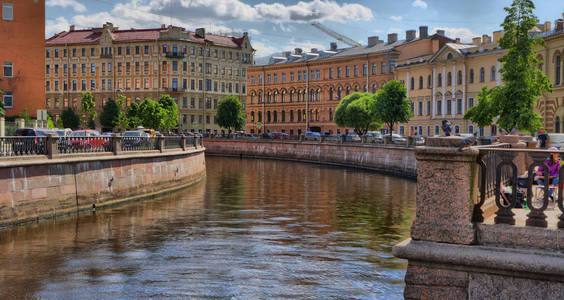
(465, 34)
(396, 18)
(419, 3)
(263, 50)
(64, 3)
(254, 31)
(306, 45)
(226, 10)
(394, 30)
(55, 26)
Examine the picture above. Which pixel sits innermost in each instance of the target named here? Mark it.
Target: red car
(89, 140)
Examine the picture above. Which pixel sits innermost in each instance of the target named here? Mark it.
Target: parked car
(136, 138)
(398, 139)
(333, 138)
(374, 137)
(556, 140)
(267, 135)
(32, 143)
(247, 136)
(63, 144)
(280, 136)
(108, 134)
(89, 140)
(312, 136)
(351, 136)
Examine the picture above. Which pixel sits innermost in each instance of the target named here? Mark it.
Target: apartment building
(197, 69)
(300, 91)
(22, 27)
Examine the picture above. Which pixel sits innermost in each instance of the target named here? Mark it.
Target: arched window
(260, 116)
(330, 114)
(420, 82)
(412, 83)
(557, 125)
(268, 97)
(299, 96)
(283, 116)
(291, 96)
(252, 116)
(440, 79)
(557, 69)
(274, 97)
(374, 88)
(275, 116)
(331, 93)
(449, 56)
(429, 81)
(366, 88)
(482, 75)
(471, 76)
(459, 78)
(299, 115)
(348, 90)
(456, 129)
(291, 116)
(470, 128)
(311, 95)
(268, 119)
(259, 98)
(356, 88)
(449, 79)
(492, 73)
(339, 91)
(317, 95)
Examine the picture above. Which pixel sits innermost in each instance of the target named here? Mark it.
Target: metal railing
(86, 144)
(172, 142)
(513, 173)
(139, 143)
(22, 145)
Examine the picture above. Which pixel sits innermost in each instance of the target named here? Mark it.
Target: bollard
(117, 142)
(51, 146)
(183, 142)
(161, 143)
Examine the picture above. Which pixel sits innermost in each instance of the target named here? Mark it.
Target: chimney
(333, 46)
(476, 41)
(392, 38)
(313, 50)
(486, 39)
(373, 40)
(201, 33)
(423, 32)
(546, 26)
(298, 51)
(559, 25)
(440, 32)
(410, 35)
(71, 28)
(457, 41)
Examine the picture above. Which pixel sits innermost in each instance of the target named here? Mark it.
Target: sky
(282, 25)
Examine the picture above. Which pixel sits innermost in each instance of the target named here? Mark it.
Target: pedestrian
(553, 164)
(542, 138)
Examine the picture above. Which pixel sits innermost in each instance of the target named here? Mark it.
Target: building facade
(300, 91)
(194, 68)
(22, 27)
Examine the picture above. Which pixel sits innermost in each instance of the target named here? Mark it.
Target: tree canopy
(355, 111)
(229, 114)
(70, 119)
(523, 82)
(87, 106)
(170, 119)
(392, 105)
(109, 115)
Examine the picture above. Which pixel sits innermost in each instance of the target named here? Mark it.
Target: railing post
(117, 141)
(447, 188)
(196, 141)
(51, 146)
(160, 143)
(183, 142)
(2, 126)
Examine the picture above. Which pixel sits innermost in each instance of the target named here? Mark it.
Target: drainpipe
(263, 100)
(307, 97)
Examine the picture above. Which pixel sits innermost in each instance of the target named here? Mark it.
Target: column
(453, 91)
(463, 88)
(434, 101)
(443, 84)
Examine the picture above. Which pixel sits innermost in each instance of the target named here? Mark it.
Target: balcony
(174, 55)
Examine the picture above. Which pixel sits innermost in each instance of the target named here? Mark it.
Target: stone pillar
(51, 146)
(117, 141)
(2, 126)
(183, 143)
(160, 143)
(387, 139)
(196, 141)
(447, 188)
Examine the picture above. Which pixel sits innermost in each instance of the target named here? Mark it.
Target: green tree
(2, 108)
(523, 82)
(109, 114)
(70, 119)
(170, 120)
(87, 106)
(151, 114)
(133, 115)
(229, 114)
(355, 111)
(392, 105)
(25, 115)
(122, 121)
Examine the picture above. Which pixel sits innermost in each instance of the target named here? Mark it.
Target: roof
(92, 36)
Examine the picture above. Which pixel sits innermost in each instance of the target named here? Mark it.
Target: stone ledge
(73, 158)
(485, 259)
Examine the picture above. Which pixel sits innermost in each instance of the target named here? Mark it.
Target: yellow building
(195, 68)
(551, 107)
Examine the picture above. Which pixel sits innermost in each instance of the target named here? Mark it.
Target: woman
(553, 164)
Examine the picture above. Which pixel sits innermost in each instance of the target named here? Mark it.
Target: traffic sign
(195, 125)
(259, 125)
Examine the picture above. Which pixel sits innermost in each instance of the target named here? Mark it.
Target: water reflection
(256, 229)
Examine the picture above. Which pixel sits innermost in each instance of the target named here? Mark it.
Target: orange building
(300, 91)
(22, 36)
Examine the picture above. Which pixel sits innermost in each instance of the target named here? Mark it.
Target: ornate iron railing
(22, 145)
(66, 145)
(139, 143)
(172, 142)
(513, 174)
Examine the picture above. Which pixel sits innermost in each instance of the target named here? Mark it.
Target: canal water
(254, 229)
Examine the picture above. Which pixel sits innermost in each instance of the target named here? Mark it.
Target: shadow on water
(255, 229)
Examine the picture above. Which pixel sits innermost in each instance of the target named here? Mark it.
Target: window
(492, 73)
(339, 70)
(420, 82)
(428, 109)
(92, 68)
(420, 108)
(374, 69)
(412, 83)
(47, 53)
(7, 12)
(8, 69)
(47, 69)
(439, 107)
(557, 69)
(482, 75)
(83, 68)
(470, 128)
(470, 102)
(355, 71)
(449, 107)
(348, 71)
(92, 51)
(83, 52)
(48, 86)
(458, 106)
(557, 124)
(449, 79)
(429, 82)
(459, 78)
(440, 79)
(8, 100)
(437, 132)
(146, 49)
(471, 76)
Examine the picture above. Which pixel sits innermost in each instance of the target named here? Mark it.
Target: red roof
(92, 36)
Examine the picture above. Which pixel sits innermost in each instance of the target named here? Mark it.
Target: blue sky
(279, 25)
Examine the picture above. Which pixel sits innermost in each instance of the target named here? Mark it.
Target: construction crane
(336, 35)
